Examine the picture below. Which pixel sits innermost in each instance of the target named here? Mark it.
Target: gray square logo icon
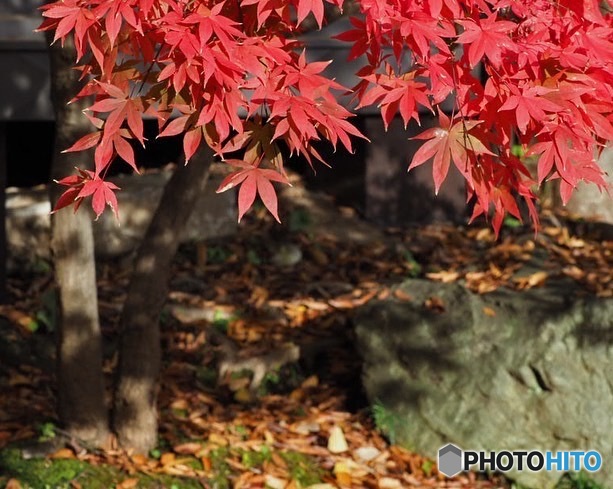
(450, 460)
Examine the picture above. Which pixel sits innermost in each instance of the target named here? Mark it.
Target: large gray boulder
(503, 371)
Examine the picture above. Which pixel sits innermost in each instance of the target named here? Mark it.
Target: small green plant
(47, 432)
(386, 421)
(41, 266)
(256, 458)
(47, 315)
(220, 468)
(413, 267)
(283, 379)
(165, 317)
(511, 222)
(271, 379)
(207, 375)
(217, 255)
(577, 480)
(299, 220)
(241, 431)
(302, 468)
(221, 321)
(253, 257)
(427, 467)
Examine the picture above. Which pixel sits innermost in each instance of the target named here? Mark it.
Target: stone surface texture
(502, 371)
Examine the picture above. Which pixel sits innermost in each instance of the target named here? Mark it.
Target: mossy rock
(41, 473)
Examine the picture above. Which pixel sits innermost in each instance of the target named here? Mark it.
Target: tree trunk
(3, 243)
(81, 403)
(135, 405)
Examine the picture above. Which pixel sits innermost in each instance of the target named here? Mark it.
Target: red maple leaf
(529, 103)
(253, 179)
(448, 143)
(487, 37)
(86, 184)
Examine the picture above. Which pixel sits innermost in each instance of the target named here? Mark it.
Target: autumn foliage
(534, 74)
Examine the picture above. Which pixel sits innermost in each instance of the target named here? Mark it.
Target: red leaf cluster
(531, 73)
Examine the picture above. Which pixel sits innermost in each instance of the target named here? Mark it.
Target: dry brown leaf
(244, 396)
(274, 482)
(403, 296)
(139, 459)
(306, 427)
(13, 484)
(573, 271)
(17, 379)
(342, 302)
(206, 463)
(575, 243)
(435, 304)
(129, 483)
(180, 404)
(259, 296)
(534, 280)
(167, 458)
(216, 439)
(310, 382)
(445, 276)
(63, 453)
(367, 453)
(187, 448)
(389, 483)
(383, 294)
(343, 478)
(488, 311)
(278, 461)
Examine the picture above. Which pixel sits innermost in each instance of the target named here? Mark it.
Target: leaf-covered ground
(260, 300)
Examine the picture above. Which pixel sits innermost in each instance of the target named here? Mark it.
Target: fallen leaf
(275, 482)
(337, 442)
(128, 483)
(389, 483)
(187, 448)
(573, 271)
(306, 427)
(139, 459)
(63, 453)
(206, 463)
(534, 280)
(488, 311)
(167, 458)
(216, 439)
(445, 276)
(343, 478)
(243, 396)
(309, 382)
(435, 304)
(17, 379)
(403, 296)
(366, 454)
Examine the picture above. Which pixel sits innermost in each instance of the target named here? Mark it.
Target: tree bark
(81, 401)
(135, 401)
(3, 243)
